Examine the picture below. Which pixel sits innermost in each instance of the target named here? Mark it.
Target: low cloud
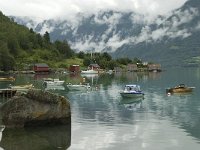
(67, 9)
(170, 27)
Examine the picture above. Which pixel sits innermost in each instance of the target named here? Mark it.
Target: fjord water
(102, 119)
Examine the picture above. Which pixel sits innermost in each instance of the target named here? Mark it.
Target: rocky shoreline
(36, 108)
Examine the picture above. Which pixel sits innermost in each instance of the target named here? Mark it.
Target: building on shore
(154, 67)
(94, 67)
(74, 68)
(41, 67)
(131, 67)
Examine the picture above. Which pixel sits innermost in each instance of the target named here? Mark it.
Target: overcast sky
(46, 9)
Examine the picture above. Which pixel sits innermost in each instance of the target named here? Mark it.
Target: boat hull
(180, 90)
(7, 79)
(51, 83)
(54, 87)
(132, 95)
(90, 72)
(19, 87)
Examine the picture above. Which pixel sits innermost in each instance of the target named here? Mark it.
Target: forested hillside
(20, 46)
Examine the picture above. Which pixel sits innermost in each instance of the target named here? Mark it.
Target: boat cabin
(132, 88)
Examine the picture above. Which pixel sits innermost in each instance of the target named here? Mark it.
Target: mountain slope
(170, 40)
(20, 46)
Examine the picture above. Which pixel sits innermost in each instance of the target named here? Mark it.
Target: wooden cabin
(74, 68)
(132, 67)
(41, 67)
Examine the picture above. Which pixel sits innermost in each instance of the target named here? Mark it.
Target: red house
(94, 66)
(41, 67)
(74, 68)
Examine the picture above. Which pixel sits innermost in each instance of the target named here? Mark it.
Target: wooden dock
(7, 93)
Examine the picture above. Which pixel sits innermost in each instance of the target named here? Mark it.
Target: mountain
(171, 40)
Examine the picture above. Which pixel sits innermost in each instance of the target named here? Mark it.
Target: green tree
(86, 61)
(81, 55)
(7, 61)
(64, 49)
(13, 45)
(107, 56)
(47, 37)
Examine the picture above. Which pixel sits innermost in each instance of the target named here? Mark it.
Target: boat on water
(51, 81)
(54, 87)
(132, 91)
(7, 79)
(90, 71)
(181, 88)
(21, 87)
(78, 87)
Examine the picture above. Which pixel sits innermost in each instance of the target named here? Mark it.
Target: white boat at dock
(54, 87)
(90, 71)
(78, 87)
(51, 81)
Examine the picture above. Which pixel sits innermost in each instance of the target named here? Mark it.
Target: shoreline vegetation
(21, 48)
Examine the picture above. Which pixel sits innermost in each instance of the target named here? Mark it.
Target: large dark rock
(37, 138)
(36, 108)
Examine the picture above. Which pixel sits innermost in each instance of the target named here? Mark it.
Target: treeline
(20, 46)
(105, 60)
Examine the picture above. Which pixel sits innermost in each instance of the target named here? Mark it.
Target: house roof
(41, 65)
(94, 65)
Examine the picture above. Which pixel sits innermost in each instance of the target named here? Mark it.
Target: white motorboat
(54, 87)
(78, 87)
(132, 91)
(50, 81)
(90, 71)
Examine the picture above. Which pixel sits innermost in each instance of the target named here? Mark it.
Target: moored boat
(7, 79)
(132, 91)
(54, 87)
(90, 71)
(78, 87)
(181, 88)
(22, 87)
(51, 81)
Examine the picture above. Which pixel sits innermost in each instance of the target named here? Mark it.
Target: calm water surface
(102, 120)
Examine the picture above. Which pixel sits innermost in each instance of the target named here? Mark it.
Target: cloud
(171, 26)
(48, 9)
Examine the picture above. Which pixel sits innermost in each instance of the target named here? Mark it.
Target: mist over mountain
(172, 40)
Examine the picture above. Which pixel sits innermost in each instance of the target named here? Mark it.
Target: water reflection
(131, 103)
(101, 119)
(39, 138)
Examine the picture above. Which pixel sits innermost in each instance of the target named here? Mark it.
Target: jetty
(7, 93)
